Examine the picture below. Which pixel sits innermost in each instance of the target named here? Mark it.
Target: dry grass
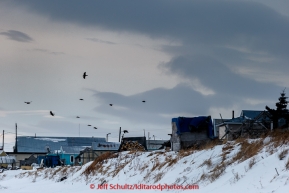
(283, 154)
(279, 137)
(119, 168)
(207, 162)
(217, 172)
(287, 164)
(186, 152)
(158, 176)
(203, 177)
(237, 177)
(247, 150)
(97, 163)
(172, 161)
(252, 162)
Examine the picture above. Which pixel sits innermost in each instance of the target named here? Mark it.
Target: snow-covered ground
(217, 169)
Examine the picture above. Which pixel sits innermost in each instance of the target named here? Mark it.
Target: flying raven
(52, 114)
(28, 102)
(84, 75)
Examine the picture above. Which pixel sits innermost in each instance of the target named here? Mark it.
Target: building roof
(250, 114)
(245, 115)
(41, 144)
(105, 146)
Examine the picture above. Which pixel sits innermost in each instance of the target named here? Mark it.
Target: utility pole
(119, 134)
(16, 149)
(3, 141)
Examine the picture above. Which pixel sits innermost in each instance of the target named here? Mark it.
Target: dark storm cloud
(17, 36)
(216, 38)
(100, 41)
(181, 100)
(246, 23)
(218, 77)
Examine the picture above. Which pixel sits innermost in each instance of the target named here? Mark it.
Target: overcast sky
(184, 58)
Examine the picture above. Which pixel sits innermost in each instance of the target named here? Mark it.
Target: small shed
(28, 161)
(189, 131)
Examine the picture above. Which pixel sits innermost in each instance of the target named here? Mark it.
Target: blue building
(189, 131)
(64, 148)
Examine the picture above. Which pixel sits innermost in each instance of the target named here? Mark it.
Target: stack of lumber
(131, 146)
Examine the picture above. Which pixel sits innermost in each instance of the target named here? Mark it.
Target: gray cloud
(100, 41)
(242, 23)
(17, 36)
(48, 51)
(216, 39)
(219, 77)
(236, 33)
(181, 100)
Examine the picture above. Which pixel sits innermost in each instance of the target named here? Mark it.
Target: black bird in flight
(88, 125)
(84, 75)
(143, 101)
(77, 117)
(52, 114)
(81, 99)
(110, 104)
(125, 131)
(94, 127)
(28, 102)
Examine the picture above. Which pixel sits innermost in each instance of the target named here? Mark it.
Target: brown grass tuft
(279, 137)
(97, 163)
(287, 164)
(217, 172)
(252, 162)
(283, 154)
(248, 150)
(207, 162)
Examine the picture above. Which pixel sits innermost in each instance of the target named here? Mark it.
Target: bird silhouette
(110, 104)
(88, 125)
(28, 102)
(84, 75)
(77, 117)
(94, 127)
(52, 114)
(143, 101)
(125, 131)
(81, 99)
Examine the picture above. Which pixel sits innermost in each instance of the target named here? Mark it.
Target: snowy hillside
(242, 166)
